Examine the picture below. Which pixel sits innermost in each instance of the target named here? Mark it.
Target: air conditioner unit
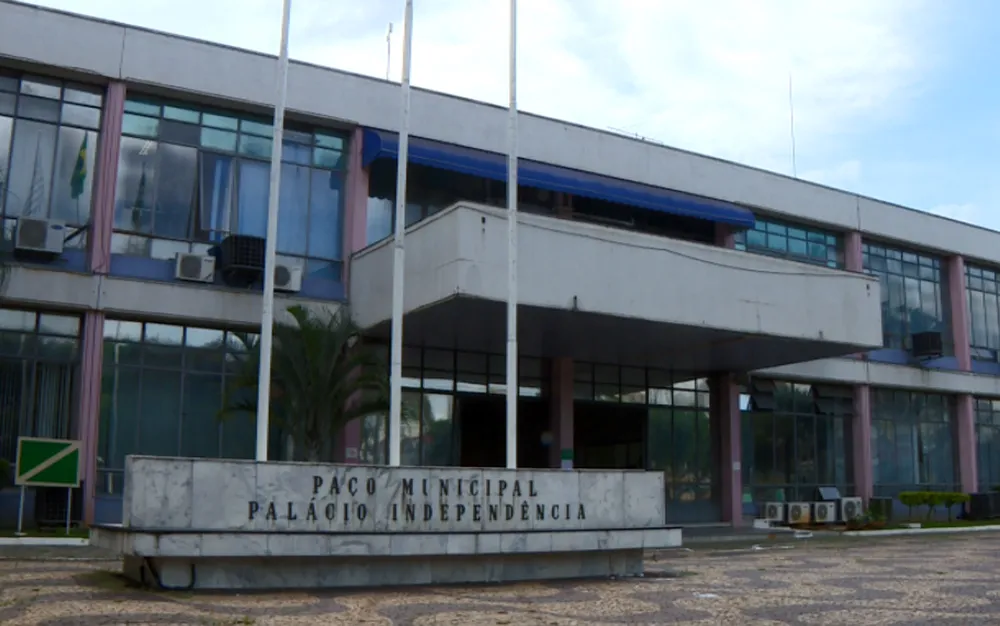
(799, 512)
(926, 344)
(774, 511)
(199, 268)
(39, 236)
(825, 512)
(851, 508)
(287, 277)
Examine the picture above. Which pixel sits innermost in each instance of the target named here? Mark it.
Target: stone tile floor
(938, 580)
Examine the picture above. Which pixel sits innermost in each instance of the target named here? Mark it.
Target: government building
(750, 335)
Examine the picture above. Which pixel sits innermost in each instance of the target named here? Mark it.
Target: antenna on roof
(791, 116)
(388, 49)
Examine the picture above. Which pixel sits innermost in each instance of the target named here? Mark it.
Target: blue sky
(896, 99)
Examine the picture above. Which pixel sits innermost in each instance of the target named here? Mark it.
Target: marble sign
(222, 495)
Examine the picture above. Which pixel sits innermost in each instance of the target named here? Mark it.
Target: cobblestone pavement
(909, 581)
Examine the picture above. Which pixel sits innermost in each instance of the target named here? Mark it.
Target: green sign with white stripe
(47, 462)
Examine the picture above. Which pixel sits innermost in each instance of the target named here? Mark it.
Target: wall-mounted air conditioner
(287, 277)
(39, 236)
(799, 512)
(199, 268)
(851, 508)
(774, 511)
(825, 512)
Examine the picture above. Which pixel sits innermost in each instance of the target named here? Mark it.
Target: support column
(861, 444)
(725, 408)
(959, 308)
(561, 413)
(853, 257)
(965, 430)
(88, 410)
(355, 238)
(102, 215)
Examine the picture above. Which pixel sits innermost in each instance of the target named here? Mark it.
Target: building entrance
(482, 424)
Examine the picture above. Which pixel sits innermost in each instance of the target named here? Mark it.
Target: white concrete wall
(180, 303)
(565, 264)
(181, 65)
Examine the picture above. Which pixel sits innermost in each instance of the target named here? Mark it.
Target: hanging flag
(79, 178)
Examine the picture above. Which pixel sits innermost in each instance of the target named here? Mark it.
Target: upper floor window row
(798, 243)
(983, 291)
(48, 144)
(911, 288)
(189, 176)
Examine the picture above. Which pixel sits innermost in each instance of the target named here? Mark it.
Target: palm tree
(324, 375)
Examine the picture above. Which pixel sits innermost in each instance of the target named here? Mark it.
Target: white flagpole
(399, 256)
(512, 388)
(270, 247)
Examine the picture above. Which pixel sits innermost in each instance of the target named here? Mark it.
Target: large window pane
(253, 198)
(159, 413)
(200, 425)
(293, 212)
(216, 188)
(135, 194)
(911, 293)
(325, 235)
(31, 169)
(438, 431)
(175, 191)
(74, 177)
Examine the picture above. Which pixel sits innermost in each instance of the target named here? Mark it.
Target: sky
(894, 99)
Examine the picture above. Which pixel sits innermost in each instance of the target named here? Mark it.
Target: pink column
(103, 209)
(561, 413)
(725, 399)
(862, 443)
(355, 222)
(89, 405)
(959, 306)
(965, 429)
(853, 258)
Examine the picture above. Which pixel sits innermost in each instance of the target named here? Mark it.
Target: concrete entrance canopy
(610, 295)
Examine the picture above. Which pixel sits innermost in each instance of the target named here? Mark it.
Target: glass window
(163, 387)
(912, 444)
(799, 243)
(48, 144)
(911, 293)
(39, 360)
(988, 443)
(190, 178)
(983, 291)
(794, 439)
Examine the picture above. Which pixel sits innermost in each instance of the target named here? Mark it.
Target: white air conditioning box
(825, 512)
(851, 508)
(199, 268)
(287, 277)
(799, 512)
(40, 235)
(774, 511)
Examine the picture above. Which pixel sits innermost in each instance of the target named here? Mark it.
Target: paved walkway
(947, 581)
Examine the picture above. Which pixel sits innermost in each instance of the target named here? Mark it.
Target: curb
(48, 542)
(920, 531)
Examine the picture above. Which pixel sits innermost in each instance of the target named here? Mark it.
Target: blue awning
(380, 144)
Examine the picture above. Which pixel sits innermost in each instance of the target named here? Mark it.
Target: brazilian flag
(76, 183)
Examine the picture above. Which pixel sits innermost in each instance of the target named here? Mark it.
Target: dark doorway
(483, 427)
(609, 436)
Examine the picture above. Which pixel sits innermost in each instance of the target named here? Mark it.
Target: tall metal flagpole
(512, 388)
(399, 256)
(270, 247)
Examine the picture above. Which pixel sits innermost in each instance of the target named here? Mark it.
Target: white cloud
(706, 76)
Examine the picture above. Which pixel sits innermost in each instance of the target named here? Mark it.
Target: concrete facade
(750, 316)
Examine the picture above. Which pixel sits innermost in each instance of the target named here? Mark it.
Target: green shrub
(951, 499)
(910, 499)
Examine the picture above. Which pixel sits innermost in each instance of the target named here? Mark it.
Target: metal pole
(20, 514)
(399, 252)
(512, 388)
(69, 507)
(270, 246)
